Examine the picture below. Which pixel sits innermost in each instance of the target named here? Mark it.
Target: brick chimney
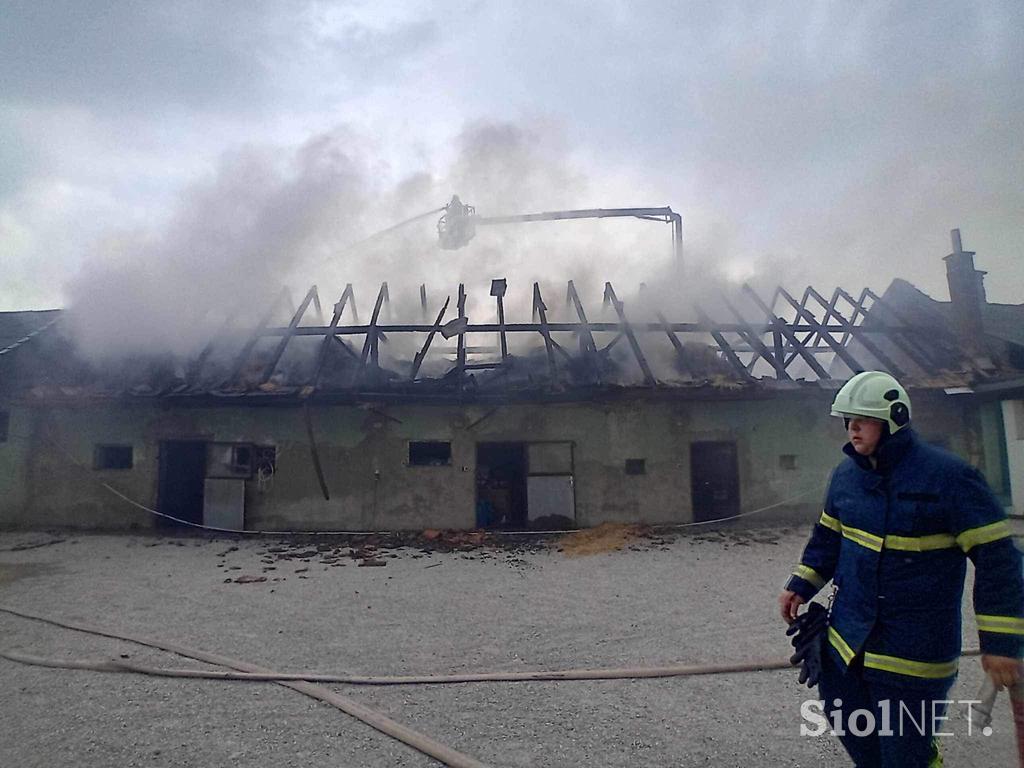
(966, 293)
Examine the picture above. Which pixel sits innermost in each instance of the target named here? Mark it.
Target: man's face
(864, 434)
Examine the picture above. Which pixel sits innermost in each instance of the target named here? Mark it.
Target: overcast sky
(826, 143)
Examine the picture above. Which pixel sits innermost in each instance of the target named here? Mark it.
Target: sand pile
(607, 537)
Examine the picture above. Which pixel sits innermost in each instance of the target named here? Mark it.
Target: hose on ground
(625, 673)
(263, 675)
(374, 719)
(305, 682)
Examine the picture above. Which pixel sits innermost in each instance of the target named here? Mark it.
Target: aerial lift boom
(458, 224)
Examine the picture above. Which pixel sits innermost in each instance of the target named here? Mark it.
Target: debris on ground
(506, 547)
(249, 579)
(607, 537)
(33, 545)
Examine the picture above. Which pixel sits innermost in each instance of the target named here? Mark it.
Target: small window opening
(230, 460)
(787, 461)
(430, 454)
(241, 458)
(5, 423)
(636, 466)
(112, 457)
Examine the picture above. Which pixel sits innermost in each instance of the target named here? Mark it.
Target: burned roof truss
(739, 340)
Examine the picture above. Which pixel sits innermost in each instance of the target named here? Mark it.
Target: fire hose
(305, 683)
(374, 719)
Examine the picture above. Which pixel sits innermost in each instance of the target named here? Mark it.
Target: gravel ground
(683, 599)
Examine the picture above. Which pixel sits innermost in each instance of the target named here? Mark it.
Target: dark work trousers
(907, 747)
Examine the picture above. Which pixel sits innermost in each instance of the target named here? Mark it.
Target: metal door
(182, 472)
(714, 480)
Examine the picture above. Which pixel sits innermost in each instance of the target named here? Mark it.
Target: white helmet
(876, 395)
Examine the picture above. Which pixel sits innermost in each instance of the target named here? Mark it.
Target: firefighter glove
(807, 633)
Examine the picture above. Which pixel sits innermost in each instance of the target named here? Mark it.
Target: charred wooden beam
(851, 331)
(386, 310)
(841, 351)
(370, 342)
(314, 451)
(586, 336)
(588, 347)
(752, 336)
(558, 327)
(677, 345)
(243, 356)
(540, 311)
(460, 360)
(815, 337)
(268, 369)
(195, 370)
(482, 419)
(422, 354)
(561, 350)
(498, 287)
(611, 344)
(346, 348)
(811, 338)
(781, 327)
(316, 305)
(627, 329)
(352, 303)
(339, 308)
(709, 326)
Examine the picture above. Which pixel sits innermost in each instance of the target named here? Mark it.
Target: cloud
(234, 56)
(842, 140)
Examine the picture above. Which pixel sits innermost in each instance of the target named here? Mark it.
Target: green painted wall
(14, 458)
(47, 477)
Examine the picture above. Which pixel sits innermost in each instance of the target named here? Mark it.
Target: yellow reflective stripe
(840, 645)
(920, 543)
(1007, 625)
(830, 522)
(863, 538)
(984, 534)
(926, 669)
(895, 664)
(809, 574)
(901, 543)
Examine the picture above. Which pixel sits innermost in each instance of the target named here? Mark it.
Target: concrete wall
(1013, 424)
(14, 458)
(47, 479)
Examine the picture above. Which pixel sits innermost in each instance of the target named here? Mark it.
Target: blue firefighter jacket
(894, 538)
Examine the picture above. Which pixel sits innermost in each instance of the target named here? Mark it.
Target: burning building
(588, 413)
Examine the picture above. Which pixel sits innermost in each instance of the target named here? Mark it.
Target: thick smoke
(231, 243)
(270, 218)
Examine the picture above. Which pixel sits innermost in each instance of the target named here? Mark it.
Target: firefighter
(900, 520)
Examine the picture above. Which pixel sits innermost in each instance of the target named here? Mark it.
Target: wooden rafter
(841, 352)
(752, 337)
(421, 355)
(723, 345)
(540, 311)
(780, 328)
(851, 331)
(275, 358)
(627, 329)
(243, 356)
